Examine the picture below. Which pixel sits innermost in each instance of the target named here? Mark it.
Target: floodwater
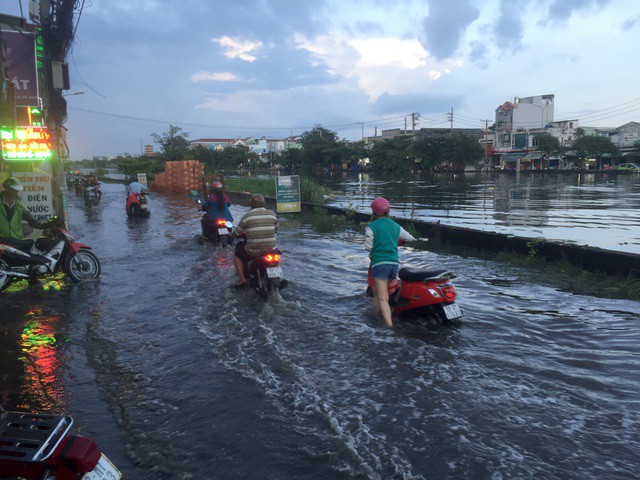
(178, 376)
(596, 209)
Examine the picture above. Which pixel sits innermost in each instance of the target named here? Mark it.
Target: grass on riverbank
(310, 191)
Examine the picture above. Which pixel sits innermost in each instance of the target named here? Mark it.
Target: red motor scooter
(37, 446)
(137, 205)
(423, 293)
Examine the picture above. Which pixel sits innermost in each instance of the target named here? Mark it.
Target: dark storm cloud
(445, 25)
(410, 102)
(508, 29)
(561, 10)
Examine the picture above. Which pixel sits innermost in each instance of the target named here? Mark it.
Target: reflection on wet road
(176, 375)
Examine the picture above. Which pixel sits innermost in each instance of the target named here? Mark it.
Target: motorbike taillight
(272, 258)
(221, 222)
(448, 290)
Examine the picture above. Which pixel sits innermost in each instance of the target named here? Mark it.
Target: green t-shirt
(386, 233)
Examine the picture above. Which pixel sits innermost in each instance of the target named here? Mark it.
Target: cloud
(509, 27)
(410, 102)
(561, 10)
(407, 54)
(630, 23)
(215, 76)
(446, 25)
(234, 48)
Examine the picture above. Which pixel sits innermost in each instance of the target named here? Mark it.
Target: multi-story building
(521, 115)
(564, 130)
(626, 135)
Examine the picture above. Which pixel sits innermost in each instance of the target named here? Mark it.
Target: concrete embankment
(592, 259)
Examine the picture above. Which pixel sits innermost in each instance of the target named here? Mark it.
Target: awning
(514, 156)
(533, 156)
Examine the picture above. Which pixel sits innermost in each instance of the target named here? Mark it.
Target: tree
(596, 147)
(547, 143)
(457, 149)
(318, 148)
(131, 166)
(174, 144)
(392, 155)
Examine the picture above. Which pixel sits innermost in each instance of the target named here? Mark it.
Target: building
(213, 143)
(521, 115)
(564, 130)
(625, 136)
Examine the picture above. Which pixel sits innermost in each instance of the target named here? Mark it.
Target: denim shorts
(384, 271)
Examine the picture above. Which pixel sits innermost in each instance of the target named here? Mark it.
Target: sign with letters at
(37, 195)
(288, 194)
(20, 48)
(142, 178)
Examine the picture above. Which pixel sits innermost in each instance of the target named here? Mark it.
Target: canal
(597, 209)
(178, 376)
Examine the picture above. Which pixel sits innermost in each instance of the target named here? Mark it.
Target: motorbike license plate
(104, 470)
(144, 206)
(274, 272)
(223, 231)
(452, 311)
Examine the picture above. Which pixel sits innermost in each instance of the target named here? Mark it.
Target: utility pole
(414, 121)
(362, 125)
(486, 148)
(450, 115)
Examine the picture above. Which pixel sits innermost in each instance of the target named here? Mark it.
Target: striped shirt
(260, 226)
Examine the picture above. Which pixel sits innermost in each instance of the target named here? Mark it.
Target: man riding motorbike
(136, 187)
(217, 207)
(12, 213)
(260, 226)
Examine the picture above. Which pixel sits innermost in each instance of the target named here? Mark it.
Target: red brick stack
(180, 177)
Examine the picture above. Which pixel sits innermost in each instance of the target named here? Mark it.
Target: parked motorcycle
(39, 446)
(216, 231)
(56, 249)
(91, 195)
(264, 273)
(423, 293)
(137, 205)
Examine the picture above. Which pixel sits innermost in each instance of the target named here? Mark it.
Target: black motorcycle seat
(24, 245)
(416, 275)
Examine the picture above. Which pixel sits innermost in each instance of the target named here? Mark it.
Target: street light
(74, 93)
(541, 107)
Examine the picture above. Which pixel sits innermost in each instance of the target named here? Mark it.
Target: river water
(178, 376)
(596, 209)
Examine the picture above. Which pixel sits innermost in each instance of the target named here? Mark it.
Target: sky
(275, 68)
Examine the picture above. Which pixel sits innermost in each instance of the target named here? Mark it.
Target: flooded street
(178, 376)
(596, 209)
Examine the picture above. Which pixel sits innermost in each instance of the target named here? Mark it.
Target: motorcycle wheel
(135, 210)
(83, 265)
(224, 240)
(263, 284)
(5, 280)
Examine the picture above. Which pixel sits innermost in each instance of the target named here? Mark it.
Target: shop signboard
(31, 143)
(37, 195)
(20, 48)
(288, 194)
(142, 178)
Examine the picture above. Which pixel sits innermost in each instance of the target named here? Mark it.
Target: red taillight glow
(448, 290)
(221, 223)
(272, 258)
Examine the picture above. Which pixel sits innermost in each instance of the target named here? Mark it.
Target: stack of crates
(181, 176)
